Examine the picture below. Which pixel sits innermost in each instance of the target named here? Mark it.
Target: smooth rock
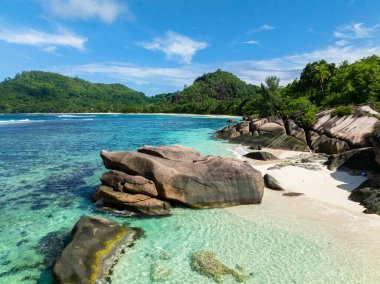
(271, 183)
(139, 203)
(212, 182)
(356, 131)
(95, 245)
(263, 156)
(173, 153)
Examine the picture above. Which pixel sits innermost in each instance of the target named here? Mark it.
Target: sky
(158, 46)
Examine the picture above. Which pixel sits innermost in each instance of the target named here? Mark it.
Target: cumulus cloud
(176, 46)
(141, 75)
(288, 68)
(105, 10)
(355, 31)
(46, 41)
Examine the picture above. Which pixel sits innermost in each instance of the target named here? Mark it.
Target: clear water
(50, 166)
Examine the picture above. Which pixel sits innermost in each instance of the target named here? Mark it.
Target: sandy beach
(138, 113)
(324, 206)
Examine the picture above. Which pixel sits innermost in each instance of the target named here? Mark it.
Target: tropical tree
(271, 96)
(322, 74)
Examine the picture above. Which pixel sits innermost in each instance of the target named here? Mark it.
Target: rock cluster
(330, 134)
(147, 181)
(95, 244)
(368, 195)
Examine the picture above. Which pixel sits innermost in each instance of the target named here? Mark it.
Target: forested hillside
(38, 91)
(321, 85)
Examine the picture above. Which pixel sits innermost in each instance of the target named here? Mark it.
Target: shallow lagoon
(50, 166)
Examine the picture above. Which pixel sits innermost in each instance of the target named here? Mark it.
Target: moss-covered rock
(206, 263)
(96, 242)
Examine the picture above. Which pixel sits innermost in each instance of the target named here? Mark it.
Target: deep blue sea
(50, 166)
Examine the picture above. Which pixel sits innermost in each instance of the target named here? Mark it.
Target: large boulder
(210, 182)
(324, 144)
(356, 159)
(355, 130)
(94, 247)
(261, 155)
(173, 152)
(134, 203)
(368, 195)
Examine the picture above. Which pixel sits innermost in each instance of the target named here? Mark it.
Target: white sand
(137, 113)
(323, 211)
(329, 187)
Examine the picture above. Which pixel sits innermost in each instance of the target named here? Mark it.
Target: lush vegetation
(38, 91)
(321, 85)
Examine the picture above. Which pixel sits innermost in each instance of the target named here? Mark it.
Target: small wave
(15, 121)
(73, 116)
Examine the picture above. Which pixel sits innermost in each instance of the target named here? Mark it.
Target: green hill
(38, 91)
(219, 92)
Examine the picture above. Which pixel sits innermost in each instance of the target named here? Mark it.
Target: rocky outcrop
(271, 183)
(354, 130)
(180, 175)
(356, 159)
(94, 247)
(368, 195)
(261, 155)
(330, 134)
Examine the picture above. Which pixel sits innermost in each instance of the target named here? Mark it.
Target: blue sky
(157, 46)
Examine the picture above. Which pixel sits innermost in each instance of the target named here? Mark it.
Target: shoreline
(128, 113)
(323, 210)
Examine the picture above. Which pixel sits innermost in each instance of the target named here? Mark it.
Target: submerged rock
(159, 273)
(205, 183)
(262, 156)
(206, 263)
(92, 251)
(272, 183)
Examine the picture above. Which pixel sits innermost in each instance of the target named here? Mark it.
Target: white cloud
(46, 41)
(342, 42)
(262, 28)
(252, 42)
(106, 10)
(288, 68)
(355, 31)
(140, 75)
(176, 46)
(266, 27)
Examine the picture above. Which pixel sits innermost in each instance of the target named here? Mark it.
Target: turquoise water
(50, 166)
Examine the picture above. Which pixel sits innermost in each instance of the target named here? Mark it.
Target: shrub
(343, 111)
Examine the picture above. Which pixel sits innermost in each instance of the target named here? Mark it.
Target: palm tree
(322, 74)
